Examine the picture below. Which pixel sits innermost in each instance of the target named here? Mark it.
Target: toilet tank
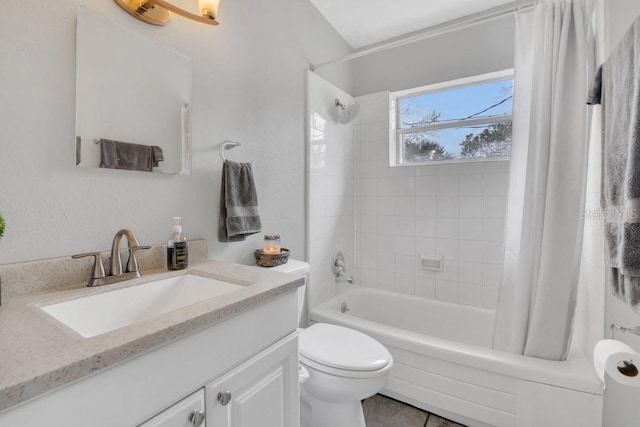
(299, 268)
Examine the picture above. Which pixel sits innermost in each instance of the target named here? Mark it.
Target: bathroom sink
(97, 314)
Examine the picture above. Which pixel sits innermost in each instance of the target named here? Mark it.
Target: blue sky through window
(456, 104)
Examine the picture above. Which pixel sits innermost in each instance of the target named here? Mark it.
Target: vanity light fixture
(158, 12)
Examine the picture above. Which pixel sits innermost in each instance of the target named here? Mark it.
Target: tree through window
(457, 121)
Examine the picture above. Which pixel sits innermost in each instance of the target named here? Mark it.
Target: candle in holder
(271, 245)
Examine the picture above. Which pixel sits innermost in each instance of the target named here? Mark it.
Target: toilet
(339, 367)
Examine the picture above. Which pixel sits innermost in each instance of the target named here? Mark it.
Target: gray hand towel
(238, 203)
(617, 88)
(123, 155)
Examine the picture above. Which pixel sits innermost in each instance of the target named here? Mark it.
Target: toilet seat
(342, 351)
(308, 363)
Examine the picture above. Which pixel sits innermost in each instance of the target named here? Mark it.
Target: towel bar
(228, 145)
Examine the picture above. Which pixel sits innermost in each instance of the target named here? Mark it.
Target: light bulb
(209, 8)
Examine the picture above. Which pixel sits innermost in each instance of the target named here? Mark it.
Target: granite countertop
(39, 354)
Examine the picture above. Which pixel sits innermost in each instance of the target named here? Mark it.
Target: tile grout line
(427, 420)
(447, 422)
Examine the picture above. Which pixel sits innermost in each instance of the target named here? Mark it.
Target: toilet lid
(342, 348)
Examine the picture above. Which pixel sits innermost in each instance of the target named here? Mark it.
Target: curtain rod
(457, 24)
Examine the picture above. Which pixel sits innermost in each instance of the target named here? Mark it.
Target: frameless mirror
(133, 98)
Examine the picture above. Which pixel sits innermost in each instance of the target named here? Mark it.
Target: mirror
(133, 98)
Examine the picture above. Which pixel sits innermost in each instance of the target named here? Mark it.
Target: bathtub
(443, 363)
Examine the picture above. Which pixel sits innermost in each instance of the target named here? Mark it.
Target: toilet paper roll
(621, 406)
(604, 349)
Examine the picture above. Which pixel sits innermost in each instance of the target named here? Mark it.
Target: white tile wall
(451, 210)
(332, 191)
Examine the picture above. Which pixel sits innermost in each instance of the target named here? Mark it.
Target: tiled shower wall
(451, 210)
(331, 189)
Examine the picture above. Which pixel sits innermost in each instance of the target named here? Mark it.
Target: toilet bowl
(345, 367)
(339, 367)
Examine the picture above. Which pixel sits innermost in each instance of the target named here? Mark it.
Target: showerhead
(345, 113)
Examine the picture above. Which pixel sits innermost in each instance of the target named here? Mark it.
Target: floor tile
(381, 411)
(436, 421)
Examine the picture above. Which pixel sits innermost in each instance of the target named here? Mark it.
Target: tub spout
(344, 278)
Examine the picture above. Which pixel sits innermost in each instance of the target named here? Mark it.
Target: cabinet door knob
(196, 418)
(224, 397)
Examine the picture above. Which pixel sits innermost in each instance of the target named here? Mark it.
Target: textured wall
(248, 85)
(597, 308)
(618, 16)
(478, 49)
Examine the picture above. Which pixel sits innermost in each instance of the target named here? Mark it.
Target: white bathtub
(444, 364)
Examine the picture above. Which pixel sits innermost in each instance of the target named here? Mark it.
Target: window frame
(396, 132)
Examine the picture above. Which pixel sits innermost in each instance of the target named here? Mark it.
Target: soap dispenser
(177, 250)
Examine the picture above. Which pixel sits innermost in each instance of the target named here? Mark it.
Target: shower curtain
(553, 66)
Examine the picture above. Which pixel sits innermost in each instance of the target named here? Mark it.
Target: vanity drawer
(189, 412)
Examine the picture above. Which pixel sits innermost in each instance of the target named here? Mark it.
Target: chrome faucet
(116, 261)
(339, 269)
(132, 270)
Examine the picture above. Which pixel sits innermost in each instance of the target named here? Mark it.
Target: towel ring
(228, 145)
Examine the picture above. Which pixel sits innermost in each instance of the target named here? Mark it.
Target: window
(463, 120)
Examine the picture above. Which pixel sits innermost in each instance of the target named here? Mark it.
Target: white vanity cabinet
(189, 412)
(252, 354)
(261, 392)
